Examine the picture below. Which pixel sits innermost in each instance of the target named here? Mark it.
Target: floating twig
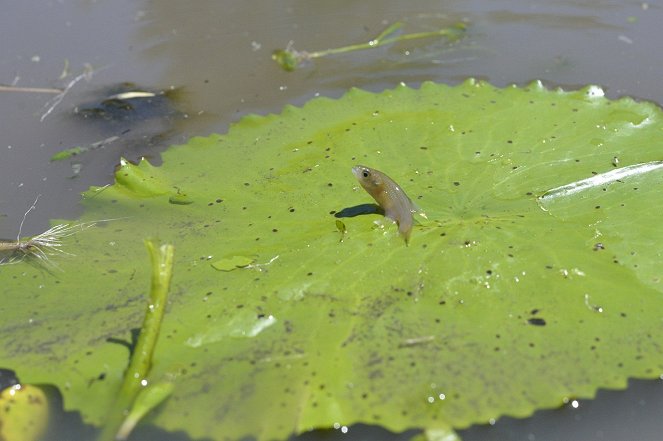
(51, 105)
(4, 88)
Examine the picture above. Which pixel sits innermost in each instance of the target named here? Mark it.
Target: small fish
(390, 196)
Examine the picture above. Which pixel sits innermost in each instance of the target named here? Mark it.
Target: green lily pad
(536, 278)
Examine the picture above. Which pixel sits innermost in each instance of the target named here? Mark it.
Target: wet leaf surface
(535, 278)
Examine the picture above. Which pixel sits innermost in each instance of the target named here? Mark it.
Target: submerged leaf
(289, 59)
(534, 278)
(67, 153)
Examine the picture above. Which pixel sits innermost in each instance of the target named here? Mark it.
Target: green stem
(136, 374)
(381, 41)
(390, 30)
(290, 58)
(147, 400)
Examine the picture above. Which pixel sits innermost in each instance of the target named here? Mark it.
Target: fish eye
(365, 173)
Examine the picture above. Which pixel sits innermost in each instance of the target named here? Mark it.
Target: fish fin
(416, 209)
(405, 228)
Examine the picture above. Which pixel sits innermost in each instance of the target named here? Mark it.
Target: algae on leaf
(507, 301)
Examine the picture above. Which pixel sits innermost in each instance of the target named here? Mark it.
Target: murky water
(218, 52)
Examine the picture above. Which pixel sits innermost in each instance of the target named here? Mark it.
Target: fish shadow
(359, 210)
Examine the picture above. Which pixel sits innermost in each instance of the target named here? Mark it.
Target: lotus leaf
(537, 276)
